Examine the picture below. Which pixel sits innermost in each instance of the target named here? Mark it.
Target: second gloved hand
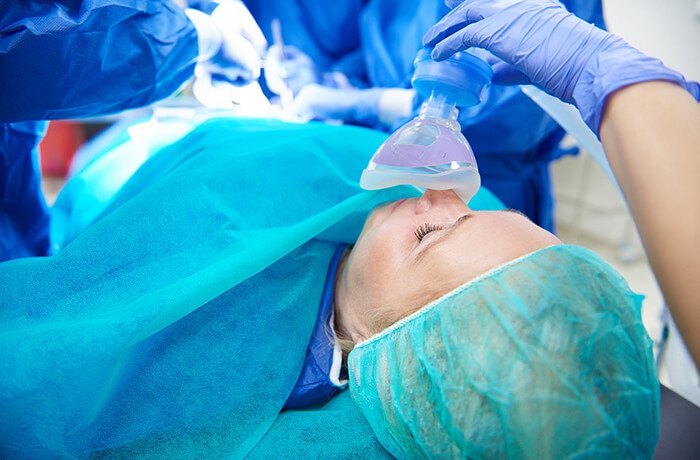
(373, 107)
(356, 106)
(567, 57)
(230, 41)
(288, 67)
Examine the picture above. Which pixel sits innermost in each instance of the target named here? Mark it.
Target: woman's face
(412, 251)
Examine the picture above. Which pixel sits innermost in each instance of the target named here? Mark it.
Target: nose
(432, 198)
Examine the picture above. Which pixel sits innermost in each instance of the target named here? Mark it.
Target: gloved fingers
(238, 62)
(503, 73)
(491, 28)
(233, 16)
(465, 38)
(484, 54)
(288, 68)
(305, 102)
(453, 21)
(297, 62)
(288, 57)
(245, 53)
(236, 77)
(230, 76)
(320, 102)
(506, 74)
(291, 52)
(452, 3)
(394, 104)
(275, 52)
(251, 31)
(273, 61)
(467, 12)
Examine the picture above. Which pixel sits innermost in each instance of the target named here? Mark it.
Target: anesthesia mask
(430, 150)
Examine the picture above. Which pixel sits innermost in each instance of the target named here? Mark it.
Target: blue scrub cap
(544, 357)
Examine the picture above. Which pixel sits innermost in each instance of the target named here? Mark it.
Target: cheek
(394, 239)
(382, 235)
(379, 254)
(376, 217)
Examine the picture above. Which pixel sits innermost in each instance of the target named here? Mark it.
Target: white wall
(667, 29)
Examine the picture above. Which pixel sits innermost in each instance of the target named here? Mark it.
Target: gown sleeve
(71, 58)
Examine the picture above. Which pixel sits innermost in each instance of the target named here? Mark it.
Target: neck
(339, 291)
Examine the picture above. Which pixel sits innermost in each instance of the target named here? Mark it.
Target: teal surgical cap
(545, 357)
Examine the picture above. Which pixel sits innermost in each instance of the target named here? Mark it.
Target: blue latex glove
(355, 106)
(230, 41)
(550, 47)
(288, 67)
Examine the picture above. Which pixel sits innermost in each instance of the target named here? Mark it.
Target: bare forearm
(651, 133)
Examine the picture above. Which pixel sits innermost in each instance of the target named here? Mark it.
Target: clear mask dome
(430, 150)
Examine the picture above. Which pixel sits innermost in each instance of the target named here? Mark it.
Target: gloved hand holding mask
(549, 47)
(230, 42)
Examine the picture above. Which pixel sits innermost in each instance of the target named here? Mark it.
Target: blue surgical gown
(327, 32)
(321, 376)
(70, 59)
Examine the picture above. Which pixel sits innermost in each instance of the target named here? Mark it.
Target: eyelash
(424, 229)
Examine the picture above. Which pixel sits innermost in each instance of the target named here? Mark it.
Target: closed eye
(425, 229)
(441, 237)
